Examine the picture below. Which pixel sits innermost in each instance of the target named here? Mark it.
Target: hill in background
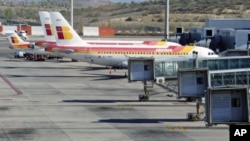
(128, 1)
(134, 17)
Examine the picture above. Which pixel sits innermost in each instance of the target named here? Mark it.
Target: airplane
(69, 44)
(24, 47)
(48, 32)
(17, 43)
(50, 39)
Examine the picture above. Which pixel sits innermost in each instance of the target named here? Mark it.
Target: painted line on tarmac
(174, 128)
(18, 91)
(3, 38)
(125, 105)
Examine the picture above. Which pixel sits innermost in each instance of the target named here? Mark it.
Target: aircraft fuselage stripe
(174, 50)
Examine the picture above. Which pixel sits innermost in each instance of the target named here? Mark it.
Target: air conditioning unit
(160, 80)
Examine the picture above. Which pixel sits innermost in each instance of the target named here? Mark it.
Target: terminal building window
(223, 64)
(234, 64)
(229, 78)
(241, 78)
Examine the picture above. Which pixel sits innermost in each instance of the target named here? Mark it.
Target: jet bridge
(192, 82)
(142, 69)
(221, 72)
(227, 105)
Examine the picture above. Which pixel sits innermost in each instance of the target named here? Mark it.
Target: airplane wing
(66, 51)
(36, 51)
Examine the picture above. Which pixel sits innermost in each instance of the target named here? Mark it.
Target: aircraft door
(107, 60)
(236, 103)
(110, 60)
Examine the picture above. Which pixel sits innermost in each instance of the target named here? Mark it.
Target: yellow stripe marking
(173, 128)
(186, 49)
(160, 43)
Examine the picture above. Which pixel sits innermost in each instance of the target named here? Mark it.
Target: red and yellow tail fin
(47, 26)
(16, 42)
(64, 33)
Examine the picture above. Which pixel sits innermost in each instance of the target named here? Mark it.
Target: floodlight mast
(166, 31)
(72, 13)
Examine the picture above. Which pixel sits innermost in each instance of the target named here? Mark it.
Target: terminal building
(227, 37)
(223, 71)
(218, 34)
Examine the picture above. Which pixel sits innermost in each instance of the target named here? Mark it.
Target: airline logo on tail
(14, 39)
(48, 29)
(16, 42)
(64, 33)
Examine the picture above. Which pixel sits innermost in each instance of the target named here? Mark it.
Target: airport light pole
(72, 13)
(166, 31)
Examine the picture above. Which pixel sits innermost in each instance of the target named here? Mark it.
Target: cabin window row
(157, 53)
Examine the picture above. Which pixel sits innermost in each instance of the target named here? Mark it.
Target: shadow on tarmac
(141, 120)
(97, 101)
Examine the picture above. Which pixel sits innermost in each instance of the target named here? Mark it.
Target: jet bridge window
(235, 102)
(199, 80)
(146, 67)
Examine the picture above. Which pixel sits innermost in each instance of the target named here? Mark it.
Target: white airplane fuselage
(118, 56)
(70, 44)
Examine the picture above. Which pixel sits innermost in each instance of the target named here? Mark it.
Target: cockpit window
(210, 53)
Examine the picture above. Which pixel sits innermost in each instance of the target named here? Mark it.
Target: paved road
(60, 100)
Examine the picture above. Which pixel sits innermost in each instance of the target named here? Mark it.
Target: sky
(122, 1)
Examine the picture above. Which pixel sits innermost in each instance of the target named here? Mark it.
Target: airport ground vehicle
(19, 54)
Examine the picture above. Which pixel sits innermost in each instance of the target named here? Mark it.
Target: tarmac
(60, 100)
